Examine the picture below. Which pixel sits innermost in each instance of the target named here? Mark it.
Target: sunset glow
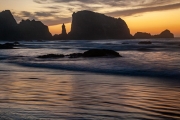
(150, 16)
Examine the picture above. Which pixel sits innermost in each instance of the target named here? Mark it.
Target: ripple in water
(49, 94)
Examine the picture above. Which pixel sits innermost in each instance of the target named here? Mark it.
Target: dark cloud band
(130, 12)
(59, 11)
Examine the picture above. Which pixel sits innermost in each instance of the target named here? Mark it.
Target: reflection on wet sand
(54, 94)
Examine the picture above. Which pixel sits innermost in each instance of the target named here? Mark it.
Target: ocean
(143, 84)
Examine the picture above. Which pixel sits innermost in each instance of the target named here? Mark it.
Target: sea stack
(91, 25)
(142, 35)
(34, 30)
(8, 26)
(63, 35)
(166, 34)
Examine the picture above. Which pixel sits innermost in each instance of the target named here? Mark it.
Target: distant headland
(86, 25)
(163, 34)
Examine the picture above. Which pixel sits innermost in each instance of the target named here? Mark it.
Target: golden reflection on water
(62, 93)
(35, 88)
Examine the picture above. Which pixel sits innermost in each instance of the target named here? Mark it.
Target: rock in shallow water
(7, 46)
(145, 42)
(75, 55)
(101, 53)
(89, 53)
(51, 56)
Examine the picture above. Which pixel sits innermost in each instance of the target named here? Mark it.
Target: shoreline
(35, 93)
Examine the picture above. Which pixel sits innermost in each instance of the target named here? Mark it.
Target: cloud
(56, 21)
(123, 7)
(25, 14)
(130, 12)
(48, 18)
(60, 11)
(121, 3)
(43, 14)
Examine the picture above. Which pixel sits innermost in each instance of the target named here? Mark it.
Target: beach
(139, 85)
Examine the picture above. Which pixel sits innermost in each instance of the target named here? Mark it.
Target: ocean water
(143, 84)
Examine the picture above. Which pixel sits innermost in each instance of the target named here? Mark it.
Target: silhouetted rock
(96, 53)
(8, 26)
(51, 56)
(64, 30)
(7, 46)
(34, 30)
(142, 35)
(75, 55)
(62, 36)
(145, 42)
(25, 30)
(91, 25)
(16, 43)
(89, 53)
(125, 43)
(101, 53)
(165, 34)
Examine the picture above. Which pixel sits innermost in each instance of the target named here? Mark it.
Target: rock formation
(91, 25)
(9, 45)
(8, 26)
(145, 42)
(86, 25)
(164, 34)
(88, 53)
(64, 30)
(63, 35)
(51, 56)
(101, 53)
(142, 35)
(33, 30)
(25, 30)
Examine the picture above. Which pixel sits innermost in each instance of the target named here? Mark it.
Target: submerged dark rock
(101, 53)
(51, 56)
(125, 43)
(96, 53)
(75, 55)
(16, 43)
(91, 25)
(7, 46)
(145, 42)
(89, 53)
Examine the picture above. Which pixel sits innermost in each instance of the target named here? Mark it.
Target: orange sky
(152, 16)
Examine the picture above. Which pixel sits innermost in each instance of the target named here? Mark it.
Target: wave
(130, 71)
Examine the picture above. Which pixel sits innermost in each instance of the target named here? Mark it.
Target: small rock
(125, 43)
(51, 56)
(101, 53)
(7, 46)
(16, 43)
(75, 55)
(145, 42)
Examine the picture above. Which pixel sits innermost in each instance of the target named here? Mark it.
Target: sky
(151, 16)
